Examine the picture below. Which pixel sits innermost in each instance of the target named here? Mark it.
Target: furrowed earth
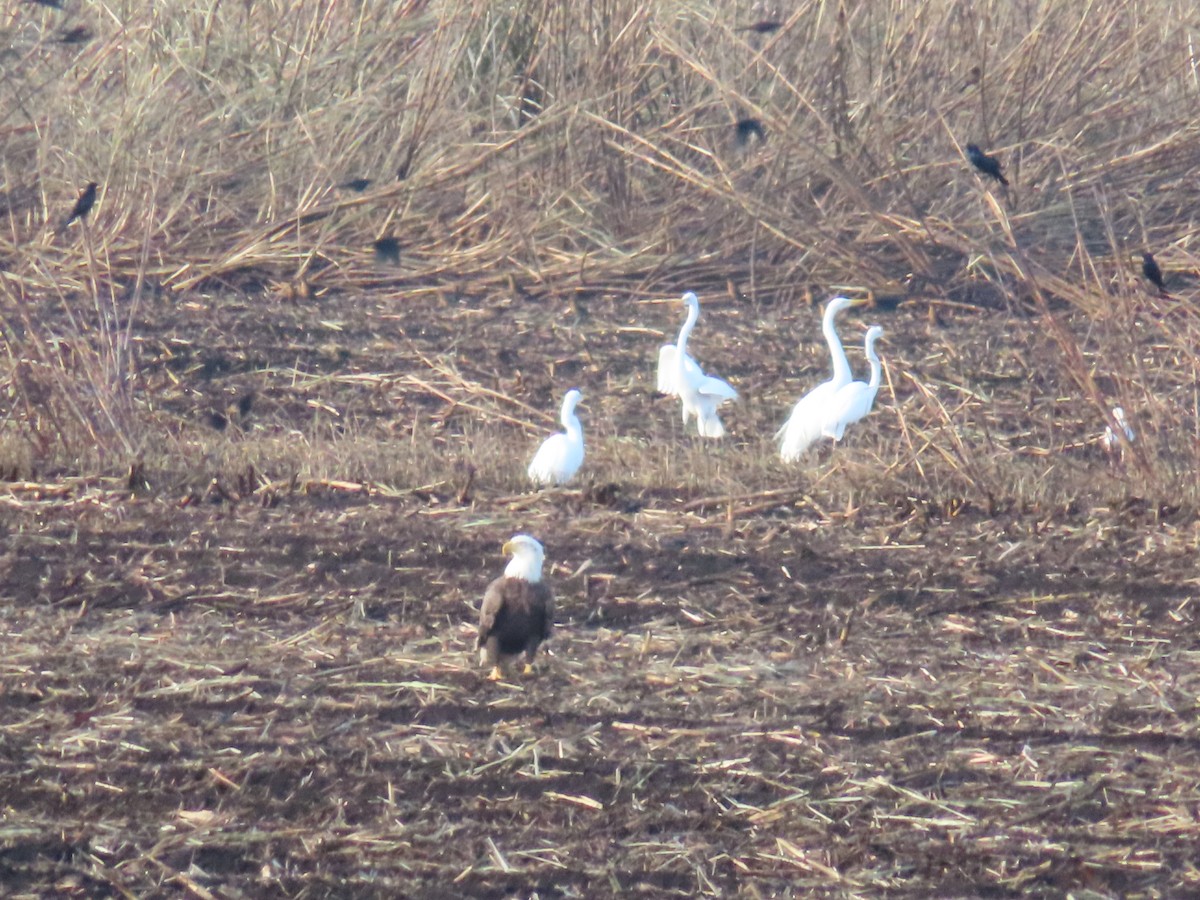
(954, 656)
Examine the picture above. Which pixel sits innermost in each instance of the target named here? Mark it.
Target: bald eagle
(517, 608)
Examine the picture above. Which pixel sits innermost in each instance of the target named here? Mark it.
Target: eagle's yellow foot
(528, 669)
(495, 674)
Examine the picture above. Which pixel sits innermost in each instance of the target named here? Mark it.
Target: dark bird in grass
(356, 184)
(77, 35)
(748, 128)
(988, 165)
(387, 250)
(767, 26)
(517, 611)
(53, 4)
(83, 206)
(1153, 272)
(242, 408)
(245, 404)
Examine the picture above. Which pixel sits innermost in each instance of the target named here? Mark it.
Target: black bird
(748, 128)
(53, 4)
(82, 206)
(1153, 273)
(988, 165)
(356, 184)
(767, 26)
(387, 250)
(245, 404)
(77, 35)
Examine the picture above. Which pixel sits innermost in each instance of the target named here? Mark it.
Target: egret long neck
(570, 421)
(841, 365)
(688, 324)
(876, 368)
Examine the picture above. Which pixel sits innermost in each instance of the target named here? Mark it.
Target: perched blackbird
(747, 128)
(82, 206)
(1152, 271)
(387, 250)
(356, 184)
(988, 165)
(767, 26)
(77, 35)
(245, 404)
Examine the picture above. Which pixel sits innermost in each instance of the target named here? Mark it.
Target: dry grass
(562, 153)
(964, 629)
(953, 656)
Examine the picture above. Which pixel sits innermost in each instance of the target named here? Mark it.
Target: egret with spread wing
(561, 455)
(807, 421)
(680, 375)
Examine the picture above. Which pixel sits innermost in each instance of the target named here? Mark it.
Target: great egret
(561, 455)
(517, 609)
(1112, 443)
(854, 400)
(666, 381)
(804, 426)
(681, 376)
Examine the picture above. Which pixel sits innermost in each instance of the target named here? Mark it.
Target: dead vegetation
(957, 656)
(257, 471)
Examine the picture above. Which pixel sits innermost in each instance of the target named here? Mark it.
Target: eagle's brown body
(515, 618)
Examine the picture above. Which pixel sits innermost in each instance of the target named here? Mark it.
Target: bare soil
(957, 656)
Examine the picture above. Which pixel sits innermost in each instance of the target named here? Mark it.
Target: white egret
(680, 375)
(853, 401)
(1112, 443)
(667, 367)
(561, 455)
(517, 609)
(807, 421)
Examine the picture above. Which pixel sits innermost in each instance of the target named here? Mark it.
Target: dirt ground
(957, 656)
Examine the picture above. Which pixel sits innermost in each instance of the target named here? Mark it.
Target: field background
(256, 475)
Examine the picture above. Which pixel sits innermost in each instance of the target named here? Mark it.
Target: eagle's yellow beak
(507, 549)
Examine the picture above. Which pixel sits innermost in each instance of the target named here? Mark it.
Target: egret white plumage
(1112, 443)
(681, 376)
(853, 401)
(667, 369)
(807, 421)
(561, 454)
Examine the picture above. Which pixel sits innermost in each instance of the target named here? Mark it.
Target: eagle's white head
(527, 556)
